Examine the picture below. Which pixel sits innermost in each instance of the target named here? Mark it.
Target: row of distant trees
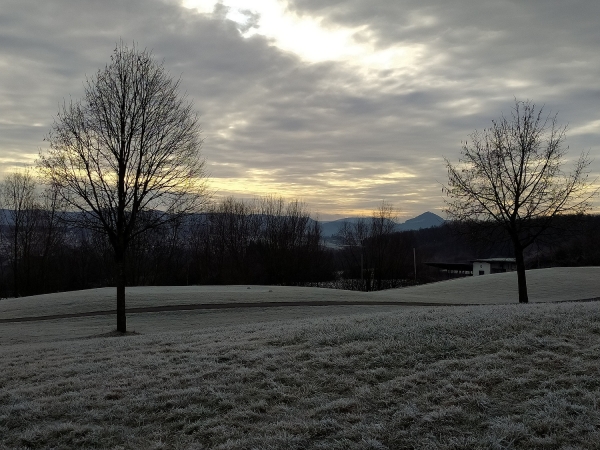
(370, 255)
(262, 241)
(44, 248)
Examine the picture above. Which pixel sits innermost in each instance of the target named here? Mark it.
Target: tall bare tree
(132, 144)
(513, 174)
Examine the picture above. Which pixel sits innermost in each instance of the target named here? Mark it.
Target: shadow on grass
(113, 333)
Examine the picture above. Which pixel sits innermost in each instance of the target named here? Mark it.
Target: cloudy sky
(339, 103)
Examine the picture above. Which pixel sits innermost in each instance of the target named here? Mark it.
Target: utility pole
(362, 270)
(415, 262)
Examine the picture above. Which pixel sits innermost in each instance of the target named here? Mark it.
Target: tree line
(43, 247)
(46, 247)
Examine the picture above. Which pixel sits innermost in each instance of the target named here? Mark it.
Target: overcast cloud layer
(340, 133)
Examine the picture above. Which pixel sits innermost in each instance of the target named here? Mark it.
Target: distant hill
(328, 229)
(425, 220)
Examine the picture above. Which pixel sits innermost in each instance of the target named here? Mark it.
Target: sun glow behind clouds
(308, 37)
(313, 40)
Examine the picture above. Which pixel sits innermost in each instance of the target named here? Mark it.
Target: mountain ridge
(425, 220)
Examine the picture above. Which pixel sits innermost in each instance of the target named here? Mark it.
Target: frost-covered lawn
(507, 376)
(556, 284)
(160, 322)
(142, 296)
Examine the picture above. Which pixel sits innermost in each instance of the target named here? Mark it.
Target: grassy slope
(151, 323)
(141, 296)
(556, 284)
(508, 376)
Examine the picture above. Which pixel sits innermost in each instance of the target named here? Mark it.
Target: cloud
(341, 134)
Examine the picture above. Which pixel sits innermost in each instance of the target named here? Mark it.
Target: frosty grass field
(326, 377)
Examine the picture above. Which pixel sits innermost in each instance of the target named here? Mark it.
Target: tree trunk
(522, 281)
(121, 281)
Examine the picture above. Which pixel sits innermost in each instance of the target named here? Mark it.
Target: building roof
(492, 260)
(464, 267)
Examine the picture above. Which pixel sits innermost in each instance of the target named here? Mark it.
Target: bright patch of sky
(308, 37)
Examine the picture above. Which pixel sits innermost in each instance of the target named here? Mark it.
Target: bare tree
(47, 236)
(287, 236)
(132, 144)
(19, 203)
(235, 224)
(383, 222)
(353, 236)
(369, 243)
(513, 174)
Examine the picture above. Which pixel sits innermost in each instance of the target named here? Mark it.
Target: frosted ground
(480, 376)
(546, 285)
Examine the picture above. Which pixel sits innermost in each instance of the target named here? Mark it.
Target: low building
(494, 265)
(453, 269)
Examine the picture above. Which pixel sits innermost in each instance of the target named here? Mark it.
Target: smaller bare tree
(234, 224)
(368, 243)
(19, 203)
(513, 174)
(287, 236)
(383, 223)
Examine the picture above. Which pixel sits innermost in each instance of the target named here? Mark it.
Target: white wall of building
(481, 268)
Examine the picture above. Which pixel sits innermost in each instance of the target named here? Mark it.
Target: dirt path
(236, 305)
